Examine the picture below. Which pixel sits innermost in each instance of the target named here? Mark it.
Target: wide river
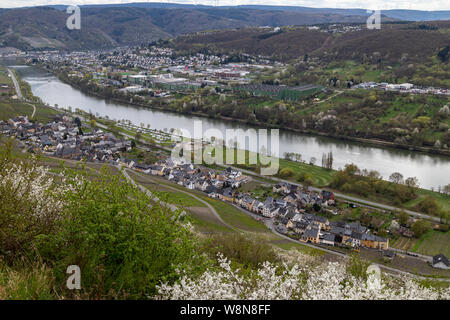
(431, 170)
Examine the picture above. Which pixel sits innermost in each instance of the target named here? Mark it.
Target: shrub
(245, 250)
(123, 245)
(286, 172)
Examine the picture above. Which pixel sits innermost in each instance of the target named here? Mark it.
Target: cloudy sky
(365, 4)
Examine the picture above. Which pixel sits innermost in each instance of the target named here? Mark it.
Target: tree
(138, 136)
(428, 205)
(412, 182)
(403, 218)
(447, 189)
(330, 160)
(444, 54)
(420, 227)
(396, 177)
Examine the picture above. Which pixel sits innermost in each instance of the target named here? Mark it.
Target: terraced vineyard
(403, 243)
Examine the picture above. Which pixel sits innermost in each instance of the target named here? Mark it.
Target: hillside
(45, 27)
(389, 44)
(401, 14)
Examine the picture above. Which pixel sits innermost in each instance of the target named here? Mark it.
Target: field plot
(404, 243)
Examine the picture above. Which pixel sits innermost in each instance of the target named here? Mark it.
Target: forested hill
(413, 41)
(45, 27)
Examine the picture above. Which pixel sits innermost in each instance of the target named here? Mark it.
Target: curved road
(210, 207)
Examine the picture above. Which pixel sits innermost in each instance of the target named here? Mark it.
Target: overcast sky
(374, 4)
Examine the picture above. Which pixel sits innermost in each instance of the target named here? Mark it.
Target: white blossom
(309, 281)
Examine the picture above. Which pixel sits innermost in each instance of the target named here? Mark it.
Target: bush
(420, 227)
(30, 204)
(245, 250)
(286, 173)
(123, 245)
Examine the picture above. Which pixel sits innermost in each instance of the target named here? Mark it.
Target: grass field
(442, 199)
(432, 243)
(10, 108)
(320, 176)
(178, 198)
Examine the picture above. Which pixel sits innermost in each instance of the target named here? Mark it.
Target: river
(431, 170)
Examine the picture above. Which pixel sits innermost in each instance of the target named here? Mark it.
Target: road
(19, 91)
(331, 97)
(210, 207)
(16, 84)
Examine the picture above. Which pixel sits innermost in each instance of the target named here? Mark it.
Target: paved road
(16, 84)
(19, 91)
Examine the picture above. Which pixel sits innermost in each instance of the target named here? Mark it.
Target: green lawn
(433, 242)
(235, 217)
(321, 177)
(178, 198)
(12, 108)
(442, 199)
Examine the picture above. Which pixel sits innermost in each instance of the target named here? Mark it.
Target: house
(142, 167)
(270, 211)
(276, 188)
(211, 191)
(247, 203)
(227, 195)
(327, 195)
(441, 262)
(310, 235)
(328, 239)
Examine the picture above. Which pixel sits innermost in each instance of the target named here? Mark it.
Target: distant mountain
(112, 25)
(401, 14)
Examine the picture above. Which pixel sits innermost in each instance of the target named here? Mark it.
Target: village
(154, 69)
(293, 213)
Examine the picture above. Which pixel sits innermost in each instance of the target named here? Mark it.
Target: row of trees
(327, 160)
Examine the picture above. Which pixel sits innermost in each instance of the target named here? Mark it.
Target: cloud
(374, 4)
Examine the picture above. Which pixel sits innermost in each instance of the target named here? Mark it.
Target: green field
(432, 243)
(12, 108)
(442, 199)
(179, 199)
(321, 177)
(4, 79)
